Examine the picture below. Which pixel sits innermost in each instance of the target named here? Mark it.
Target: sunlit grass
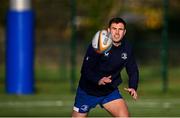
(53, 96)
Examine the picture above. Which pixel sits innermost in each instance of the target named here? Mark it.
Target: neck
(116, 44)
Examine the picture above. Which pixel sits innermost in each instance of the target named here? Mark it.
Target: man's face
(117, 31)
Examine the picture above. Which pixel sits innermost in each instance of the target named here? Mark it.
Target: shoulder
(127, 45)
(91, 51)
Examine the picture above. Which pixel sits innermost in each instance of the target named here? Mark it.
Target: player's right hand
(105, 80)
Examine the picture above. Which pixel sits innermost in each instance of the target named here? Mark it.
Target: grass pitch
(54, 98)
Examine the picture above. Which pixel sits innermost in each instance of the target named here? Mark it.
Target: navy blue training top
(95, 66)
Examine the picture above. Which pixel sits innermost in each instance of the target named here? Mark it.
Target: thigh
(117, 108)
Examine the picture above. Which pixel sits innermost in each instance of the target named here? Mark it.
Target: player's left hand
(132, 92)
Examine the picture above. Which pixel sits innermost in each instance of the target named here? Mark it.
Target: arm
(133, 73)
(90, 66)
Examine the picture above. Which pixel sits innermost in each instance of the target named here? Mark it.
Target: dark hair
(117, 20)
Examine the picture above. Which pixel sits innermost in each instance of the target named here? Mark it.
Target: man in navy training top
(100, 75)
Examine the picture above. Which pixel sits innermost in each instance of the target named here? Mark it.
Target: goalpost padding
(20, 51)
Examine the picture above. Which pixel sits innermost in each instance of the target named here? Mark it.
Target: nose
(117, 32)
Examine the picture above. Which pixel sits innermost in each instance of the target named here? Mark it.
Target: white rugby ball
(102, 41)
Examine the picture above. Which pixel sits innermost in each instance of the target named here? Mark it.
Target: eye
(121, 28)
(113, 28)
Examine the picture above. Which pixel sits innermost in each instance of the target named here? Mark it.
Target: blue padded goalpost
(20, 48)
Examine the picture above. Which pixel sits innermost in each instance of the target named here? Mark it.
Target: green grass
(54, 98)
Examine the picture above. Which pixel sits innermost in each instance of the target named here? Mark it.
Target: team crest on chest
(106, 54)
(124, 55)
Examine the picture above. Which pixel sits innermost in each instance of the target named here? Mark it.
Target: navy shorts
(84, 102)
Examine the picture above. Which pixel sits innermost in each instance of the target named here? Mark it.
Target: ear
(108, 29)
(124, 31)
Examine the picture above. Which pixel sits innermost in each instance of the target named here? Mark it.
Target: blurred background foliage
(53, 30)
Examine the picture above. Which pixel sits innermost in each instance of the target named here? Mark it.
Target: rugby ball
(102, 41)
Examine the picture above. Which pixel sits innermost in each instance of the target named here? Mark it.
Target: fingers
(132, 92)
(126, 89)
(102, 83)
(109, 77)
(105, 80)
(134, 95)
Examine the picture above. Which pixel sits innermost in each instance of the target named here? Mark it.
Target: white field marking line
(152, 104)
(57, 103)
(144, 103)
(155, 103)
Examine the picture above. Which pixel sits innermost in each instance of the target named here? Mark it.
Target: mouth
(116, 36)
(116, 41)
